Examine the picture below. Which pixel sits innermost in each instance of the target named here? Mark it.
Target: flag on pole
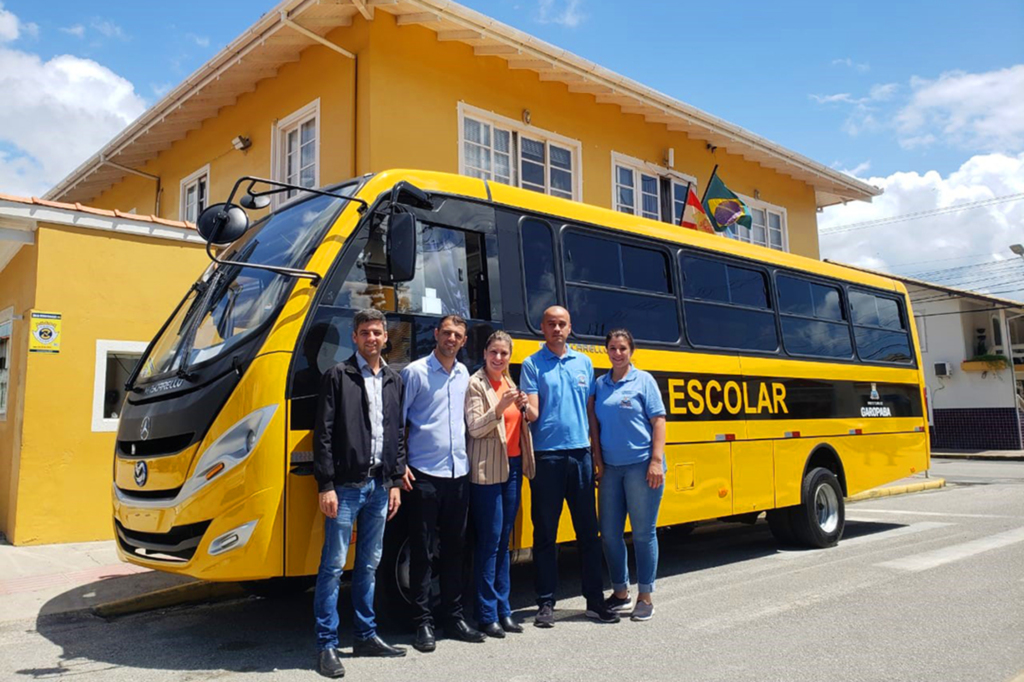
(723, 208)
(694, 216)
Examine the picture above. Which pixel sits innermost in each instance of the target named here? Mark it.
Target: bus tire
(279, 588)
(393, 595)
(819, 519)
(780, 522)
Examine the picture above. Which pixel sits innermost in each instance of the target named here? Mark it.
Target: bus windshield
(229, 302)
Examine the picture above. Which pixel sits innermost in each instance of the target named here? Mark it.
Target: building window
(5, 360)
(768, 226)
(297, 149)
(492, 147)
(115, 361)
(194, 194)
(647, 190)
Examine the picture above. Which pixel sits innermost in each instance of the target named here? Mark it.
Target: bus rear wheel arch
(818, 521)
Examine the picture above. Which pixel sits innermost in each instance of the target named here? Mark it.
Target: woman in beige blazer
(500, 454)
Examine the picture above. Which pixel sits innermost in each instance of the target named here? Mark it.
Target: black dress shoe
(459, 629)
(493, 630)
(509, 625)
(375, 646)
(425, 641)
(329, 664)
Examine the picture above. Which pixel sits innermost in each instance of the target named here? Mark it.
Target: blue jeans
(494, 513)
(624, 490)
(367, 505)
(565, 475)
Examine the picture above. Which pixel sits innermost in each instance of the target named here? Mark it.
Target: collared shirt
(624, 410)
(562, 386)
(434, 410)
(375, 401)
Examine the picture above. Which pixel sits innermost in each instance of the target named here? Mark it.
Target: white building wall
(947, 334)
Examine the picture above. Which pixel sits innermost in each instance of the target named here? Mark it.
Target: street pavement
(926, 586)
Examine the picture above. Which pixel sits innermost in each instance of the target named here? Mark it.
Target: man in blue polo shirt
(558, 381)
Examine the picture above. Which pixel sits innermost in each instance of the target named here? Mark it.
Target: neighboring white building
(973, 405)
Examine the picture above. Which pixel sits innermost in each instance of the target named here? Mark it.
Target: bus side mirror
(222, 224)
(402, 247)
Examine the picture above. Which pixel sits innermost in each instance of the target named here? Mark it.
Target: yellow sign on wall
(44, 333)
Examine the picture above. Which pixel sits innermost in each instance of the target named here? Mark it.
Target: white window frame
(766, 207)
(648, 168)
(519, 129)
(7, 319)
(279, 130)
(105, 347)
(186, 182)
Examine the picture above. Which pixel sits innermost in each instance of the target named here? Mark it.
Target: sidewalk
(988, 455)
(43, 580)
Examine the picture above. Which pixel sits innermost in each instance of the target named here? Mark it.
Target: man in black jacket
(358, 461)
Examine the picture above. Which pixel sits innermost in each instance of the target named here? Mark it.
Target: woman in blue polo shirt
(629, 415)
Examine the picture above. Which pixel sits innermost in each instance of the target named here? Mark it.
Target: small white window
(767, 228)
(194, 194)
(922, 332)
(297, 149)
(493, 147)
(5, 359)
(647, 190)
(114, 363)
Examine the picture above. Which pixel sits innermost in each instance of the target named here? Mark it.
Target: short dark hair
(454, 319)
(621, 333)
(367, 315)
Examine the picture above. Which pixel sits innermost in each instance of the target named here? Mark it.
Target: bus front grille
(175, 546)
(169, 445)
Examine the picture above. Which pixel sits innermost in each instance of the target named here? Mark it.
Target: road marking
(922, 562)
(927, 513)
(867, 537)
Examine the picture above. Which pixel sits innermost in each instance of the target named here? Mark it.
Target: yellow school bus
(789, 383)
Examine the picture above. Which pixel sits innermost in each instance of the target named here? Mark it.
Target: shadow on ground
(263, 635)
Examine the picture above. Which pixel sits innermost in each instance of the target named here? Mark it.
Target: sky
(923, 99)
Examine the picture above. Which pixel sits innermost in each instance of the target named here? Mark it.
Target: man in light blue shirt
(558, 381)
(437, 479)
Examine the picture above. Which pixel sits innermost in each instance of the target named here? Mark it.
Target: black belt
(374, 471)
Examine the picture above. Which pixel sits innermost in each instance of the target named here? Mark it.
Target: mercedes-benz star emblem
(144, 429)
(141, 473)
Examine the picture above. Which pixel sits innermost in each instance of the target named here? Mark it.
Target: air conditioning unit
(943, 369)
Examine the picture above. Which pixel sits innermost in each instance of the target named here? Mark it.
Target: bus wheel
(279, 588)
(780, 522)
(818, 521)
(393, 591)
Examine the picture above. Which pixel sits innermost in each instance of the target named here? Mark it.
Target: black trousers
(437, 510)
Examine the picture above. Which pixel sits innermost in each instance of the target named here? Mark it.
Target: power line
(984, 267)
(849, 227)
(939, 260)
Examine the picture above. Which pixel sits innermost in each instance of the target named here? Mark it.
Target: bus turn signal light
(219, 467)
(722, 492)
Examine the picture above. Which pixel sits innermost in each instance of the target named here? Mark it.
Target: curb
(180, 595)
(892, 490)
(1014, 457)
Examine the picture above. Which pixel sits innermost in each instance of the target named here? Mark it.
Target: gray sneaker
(545, 617)
(642, 611)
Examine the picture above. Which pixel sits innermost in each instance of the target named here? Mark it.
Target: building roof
(6, 199)
(952, 291)
(280, 35)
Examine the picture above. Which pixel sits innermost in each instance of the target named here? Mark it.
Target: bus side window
(539, 269)
(727, 306)
(879, 328)
(813, 320)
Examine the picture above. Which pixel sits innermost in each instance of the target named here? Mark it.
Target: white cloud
(108, 28)
(985, 230)
(848, 62)
(56, 114)
(201, 41)
(563, 12)
(982, 111)
(12, 28)
(160, 89)
(76, 30)
(843, 97)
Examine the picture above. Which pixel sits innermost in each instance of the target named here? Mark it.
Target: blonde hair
(499, 335)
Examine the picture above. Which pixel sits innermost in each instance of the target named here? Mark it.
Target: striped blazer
(486, 443)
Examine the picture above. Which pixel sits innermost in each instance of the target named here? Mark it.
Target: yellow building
(312, 94)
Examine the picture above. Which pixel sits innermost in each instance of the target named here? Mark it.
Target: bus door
(456, 273)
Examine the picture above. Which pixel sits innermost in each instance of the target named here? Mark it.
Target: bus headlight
(229, 450)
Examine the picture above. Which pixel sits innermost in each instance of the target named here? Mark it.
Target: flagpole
(705, 194)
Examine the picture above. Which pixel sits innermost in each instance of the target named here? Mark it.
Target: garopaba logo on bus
(875, 406)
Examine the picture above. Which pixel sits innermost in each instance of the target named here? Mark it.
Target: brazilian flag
(723, 207)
